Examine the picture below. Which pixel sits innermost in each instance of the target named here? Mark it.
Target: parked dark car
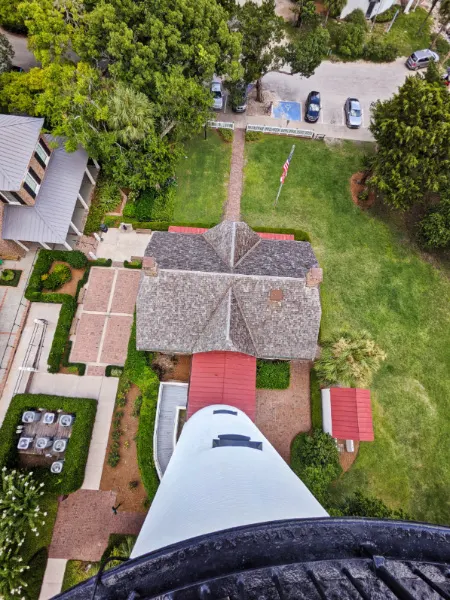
(353, 113)
(421, 59)
(312, 107)
(239, 97)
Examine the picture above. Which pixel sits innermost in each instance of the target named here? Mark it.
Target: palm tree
(130, 114)
(433, 4)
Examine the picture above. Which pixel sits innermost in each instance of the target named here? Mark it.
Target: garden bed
(272, 374)
(14, 282)
(71, 286)
(118, 478)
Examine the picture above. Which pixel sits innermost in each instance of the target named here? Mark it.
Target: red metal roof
(223, 378)
(264, 236)
(351, 414)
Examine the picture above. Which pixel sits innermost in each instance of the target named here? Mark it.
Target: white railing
(306, 133)
(221, 124)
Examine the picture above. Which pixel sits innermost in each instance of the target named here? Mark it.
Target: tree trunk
(326, 18)
(428, 16)
(433, 43)
(259, 95)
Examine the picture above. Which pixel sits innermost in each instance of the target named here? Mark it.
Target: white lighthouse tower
(223, 474)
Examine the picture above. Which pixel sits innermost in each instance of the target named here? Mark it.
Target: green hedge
(299, 235)
(76, 454)
(316, 400)
(138, 371)
(45, 259)
(14, 282)
(101, 262)
(134, 264)
(272, 374)
(109, 368)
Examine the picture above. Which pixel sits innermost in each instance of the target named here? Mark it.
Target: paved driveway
(22, 56)
(337, 81)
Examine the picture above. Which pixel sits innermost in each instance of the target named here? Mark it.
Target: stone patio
(105, 318)
(282, 414)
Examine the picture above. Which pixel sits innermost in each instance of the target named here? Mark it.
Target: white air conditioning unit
(24, 443)
(30, 416)
(49, 418)
(42, 443)
(65, 420)
(59, 445)
(56, 467)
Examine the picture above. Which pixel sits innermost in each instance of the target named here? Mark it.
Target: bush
(363, 196)
(272, 374)
(129, 211)
(100, 262)
(60, 275)
(253, 136)
(434, 228)
(378, 49)
(388, 14)
(113, 371)
(357, 17)
(360, 505)
(442, 46)
(105, 199)
(349, 42)
(66, 316)
(46, 258)
(155, 205)
(349, 359)
(299, 235)
(226, 134)
(7, 275)
(6, 279)
(76, 454)
(315, 459)
(316, 400)
(134, 264)
(10, 17)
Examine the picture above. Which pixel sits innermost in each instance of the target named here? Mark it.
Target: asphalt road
(336, 82)
(22, 56)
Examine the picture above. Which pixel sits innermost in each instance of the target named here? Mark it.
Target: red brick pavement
(84, 523)
(233, 205)
(115, 342)
(99, 289)
(88, 338)
(281, 414)
(95, 370)
(125, 291)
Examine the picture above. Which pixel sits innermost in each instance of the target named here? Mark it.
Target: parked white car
(217, 93)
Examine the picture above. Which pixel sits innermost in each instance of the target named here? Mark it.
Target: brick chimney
(314, 276)
(150, 266)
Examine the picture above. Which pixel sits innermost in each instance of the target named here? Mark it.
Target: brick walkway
(281, 414)
(233, 206)
(103, 328)
(84, 523)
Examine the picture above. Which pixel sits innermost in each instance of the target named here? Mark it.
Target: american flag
(286, 166)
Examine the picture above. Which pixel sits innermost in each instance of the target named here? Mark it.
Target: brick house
(44, 190)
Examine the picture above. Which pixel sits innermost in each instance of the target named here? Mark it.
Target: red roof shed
(199, 230)
(223, 378)
(351, 414)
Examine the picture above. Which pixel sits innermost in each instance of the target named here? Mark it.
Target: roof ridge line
(233, 244)
(248, 251)
(245, 320)
(211, 314)
(211, 246)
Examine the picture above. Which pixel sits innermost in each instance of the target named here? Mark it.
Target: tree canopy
(6, 53)
(412, 133)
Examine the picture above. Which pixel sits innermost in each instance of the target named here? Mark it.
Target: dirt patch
(117, 478)
(71, 286)
(283, 8)
(176, 367)
(357, 185)
(261, 109)
(347, 458)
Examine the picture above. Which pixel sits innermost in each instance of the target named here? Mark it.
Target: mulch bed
(348, 458)
(117, 478)
(181, 370)
(71, 286)
(356, 187)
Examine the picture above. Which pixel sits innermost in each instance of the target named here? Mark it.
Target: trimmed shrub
(134, 264)
(388, 14)
(253, 136)
(315, 459)
(155, 205)
(378, 49)
(101, 262)
(434, 228)
(226, 134)
(45, 259)
(299, 235)
(66, 315)
(76, 454)
(360, 505)
(316, 400)
(113, 371)
(105, 199)
(60, 275)
(10, 277)
(357, 17)
(272, 374)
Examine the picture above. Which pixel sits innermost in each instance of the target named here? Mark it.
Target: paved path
(22, 56)
(281, 414)
(53, 578)
(122, 245)
(84, 523)
(233, 205)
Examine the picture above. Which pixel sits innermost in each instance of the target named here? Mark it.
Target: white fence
(220, 125)
(306, 133)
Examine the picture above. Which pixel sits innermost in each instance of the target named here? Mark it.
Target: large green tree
(6, 53)
(412, 131)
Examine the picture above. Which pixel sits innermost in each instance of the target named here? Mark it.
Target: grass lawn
(273, 374)
(202, 180)
(373, 280)
(404, 32)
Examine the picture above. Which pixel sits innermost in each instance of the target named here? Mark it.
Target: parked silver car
(217, 93)
(420, 59)
(353, 113)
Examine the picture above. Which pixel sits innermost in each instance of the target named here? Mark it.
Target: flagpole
(283, 178)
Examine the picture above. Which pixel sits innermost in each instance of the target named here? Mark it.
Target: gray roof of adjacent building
(49, 219)
(215, 291)
(18, 139)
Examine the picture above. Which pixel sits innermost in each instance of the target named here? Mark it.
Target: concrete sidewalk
(121, 245)
(53, 578)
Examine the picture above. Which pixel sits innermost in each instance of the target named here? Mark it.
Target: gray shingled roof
(18, 139)
(49, 219)
(212, 292)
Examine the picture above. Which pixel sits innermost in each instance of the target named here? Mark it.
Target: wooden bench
(143, 230)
